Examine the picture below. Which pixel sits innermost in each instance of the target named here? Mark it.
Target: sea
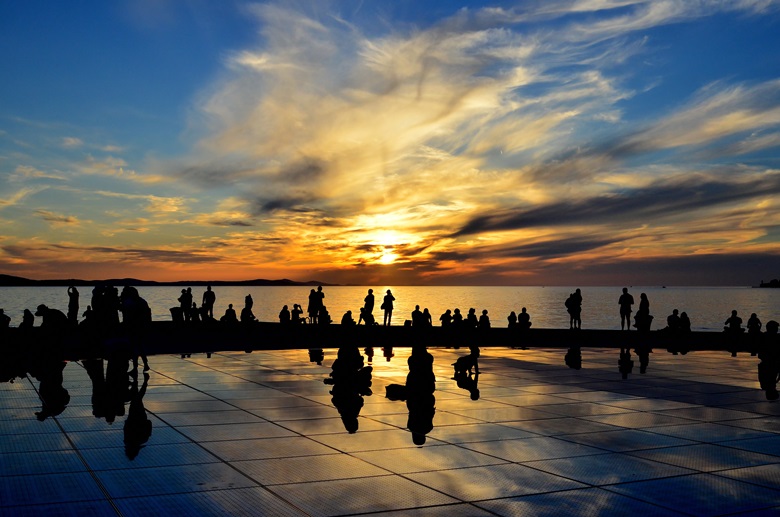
(707, 307)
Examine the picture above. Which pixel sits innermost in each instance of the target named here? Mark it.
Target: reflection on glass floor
(262, 434)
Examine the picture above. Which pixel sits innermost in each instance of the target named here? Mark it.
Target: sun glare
(387, 257)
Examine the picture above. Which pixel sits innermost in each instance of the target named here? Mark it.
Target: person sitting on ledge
(347, 320)
(512, 320)
(446, 318)
(753, 324)
(734, 323)
(673, 321)
(297, 313)
(524, 319)
(230, 315)
(484, 320)
(284, 316)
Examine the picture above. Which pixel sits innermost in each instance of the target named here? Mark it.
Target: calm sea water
(707, 307)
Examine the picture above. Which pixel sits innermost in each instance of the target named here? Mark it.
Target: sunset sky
(549, 142)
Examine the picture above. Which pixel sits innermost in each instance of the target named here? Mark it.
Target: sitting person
(284, 316)
(230, 315)
(734, 323)
(347, 319)
(524, 319)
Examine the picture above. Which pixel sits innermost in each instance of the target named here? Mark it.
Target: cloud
(70, 142)
(58, 220)
(665, 199)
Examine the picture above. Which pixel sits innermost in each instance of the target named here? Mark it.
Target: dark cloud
(140, 254)
(667, 198)
(230, 222)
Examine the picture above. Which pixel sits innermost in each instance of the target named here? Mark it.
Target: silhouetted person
(753, 324)
(484, 320)
(369, 354)
(769, 367)
(28, 320)
(446, 318)
(136, 318)
(88, 315)
(284, 316)
(471, 319)
(209, 298)
(185, 302)
(249, 302)
(230, 315)
(53, 320)
(138, 427)
(368, 302)
(468, 364)
(73, 305)
(246, 313)
(685, 322)
(464, 377)
(297, 313)
(511, 320)
(574, 308)
(673, 321)
(366, 317)
(625, 302)
(457, 318)
(734, 323)
(417, 317)
(323, 317)
(387, 306)
(427, 320)
(347, 319)
(643, 319)
(524, 319)
(313, 308)
(195, 313)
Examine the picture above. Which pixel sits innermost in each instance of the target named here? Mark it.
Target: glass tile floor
(259, 434)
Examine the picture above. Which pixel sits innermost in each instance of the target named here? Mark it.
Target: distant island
(772, 283)
(17, 281)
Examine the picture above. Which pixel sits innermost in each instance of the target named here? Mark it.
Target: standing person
(574, 308)
(185, 303)
(209, 297)
(320, 299)
(368, 306)
(312, 309)
(625, 302)
(387, 306)
(73, 305)
(136, 318)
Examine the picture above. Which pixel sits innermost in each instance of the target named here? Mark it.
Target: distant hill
(771, 283)
(16, 281)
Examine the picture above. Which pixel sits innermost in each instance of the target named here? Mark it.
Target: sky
(549, 142)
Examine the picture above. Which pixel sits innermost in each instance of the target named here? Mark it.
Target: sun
(388, 257)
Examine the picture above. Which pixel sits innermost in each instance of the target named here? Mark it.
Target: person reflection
(625, 363)
(418, 394)
(464, 377)
(138, 427)
(53, 395)
(100, 402)
(351, 381)
(573, 358)
(769, 367)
